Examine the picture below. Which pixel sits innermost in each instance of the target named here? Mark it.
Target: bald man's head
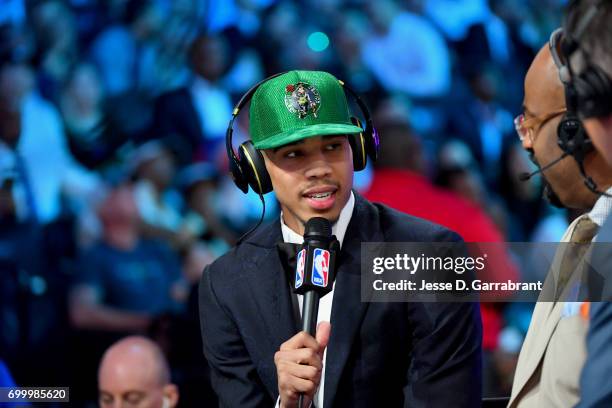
(135, 370)
(543, 108)
(544, 91)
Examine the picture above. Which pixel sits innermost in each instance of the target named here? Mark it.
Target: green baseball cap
(297, 105)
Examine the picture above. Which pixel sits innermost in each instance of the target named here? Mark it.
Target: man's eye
(292, 154)
(133, 398)
(333, 146)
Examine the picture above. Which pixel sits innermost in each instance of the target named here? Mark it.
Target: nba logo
(299, 270)
(320, 267)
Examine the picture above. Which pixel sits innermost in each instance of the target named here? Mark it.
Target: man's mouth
(321, 198)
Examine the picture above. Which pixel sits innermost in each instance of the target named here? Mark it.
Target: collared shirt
(325, 305)
(601, 209)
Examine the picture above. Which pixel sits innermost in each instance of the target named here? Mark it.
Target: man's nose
(527, 143)
(319, 167)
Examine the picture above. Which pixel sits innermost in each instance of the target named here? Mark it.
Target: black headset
(247, 166)
(592, 87)
(571, 136)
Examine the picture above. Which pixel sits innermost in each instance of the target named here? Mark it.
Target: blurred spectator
(92, 136)
(455, 18)
(201, 182)
(122, 285)
(406, 52)
(399, 175)
(353, 30)
(483, 123)
(55, 28)
(399, 182)
(47, 161)
(124, 282)
(533, 25)
(158, 204)
(457, 171)
(118, 50)
(15, 191)
(134, 371)
(31, 284)
(193, 119)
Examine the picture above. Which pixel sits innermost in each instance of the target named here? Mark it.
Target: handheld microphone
(315, 271)
(527, 176)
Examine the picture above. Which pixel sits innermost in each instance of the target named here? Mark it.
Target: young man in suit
(546, 374)
(364, 354)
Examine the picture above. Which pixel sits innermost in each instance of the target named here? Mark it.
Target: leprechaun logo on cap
(303, 99)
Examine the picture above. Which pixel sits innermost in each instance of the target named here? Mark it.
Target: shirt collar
(601, 209)
(338, 229)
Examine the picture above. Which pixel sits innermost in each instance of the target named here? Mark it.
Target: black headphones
(592, 88)
(247, 166)
(571, 136)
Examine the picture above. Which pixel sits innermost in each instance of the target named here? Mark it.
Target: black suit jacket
(379, 354)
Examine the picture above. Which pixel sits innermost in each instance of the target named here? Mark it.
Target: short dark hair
(400, 148)
(596, 37)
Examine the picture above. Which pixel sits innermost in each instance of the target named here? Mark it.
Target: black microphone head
(524, 176)
(318, 227)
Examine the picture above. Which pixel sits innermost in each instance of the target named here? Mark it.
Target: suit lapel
(347, 308)
(546, 316)
(271, 298)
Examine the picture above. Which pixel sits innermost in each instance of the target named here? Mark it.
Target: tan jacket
(552, 356)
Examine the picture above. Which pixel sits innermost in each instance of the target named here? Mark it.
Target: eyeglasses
(525, 127)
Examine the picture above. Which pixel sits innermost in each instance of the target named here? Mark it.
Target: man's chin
(552, 197)
(332, 215)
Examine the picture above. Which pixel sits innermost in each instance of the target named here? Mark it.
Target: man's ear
(171, 394)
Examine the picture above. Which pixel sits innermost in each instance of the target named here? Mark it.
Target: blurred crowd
(114, 189)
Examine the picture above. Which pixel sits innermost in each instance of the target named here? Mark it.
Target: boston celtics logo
(302, 99)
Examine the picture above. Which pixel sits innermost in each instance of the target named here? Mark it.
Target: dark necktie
(583, 234)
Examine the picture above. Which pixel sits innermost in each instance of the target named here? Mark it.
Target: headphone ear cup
(238, 176)
(372, 142)
(358, 146)
(254, 168)
(572, 138)
(594, 92)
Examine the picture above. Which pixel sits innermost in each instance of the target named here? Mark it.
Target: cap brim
(326, 129)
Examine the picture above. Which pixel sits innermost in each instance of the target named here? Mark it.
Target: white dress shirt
(325, 305)
(601, 209)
